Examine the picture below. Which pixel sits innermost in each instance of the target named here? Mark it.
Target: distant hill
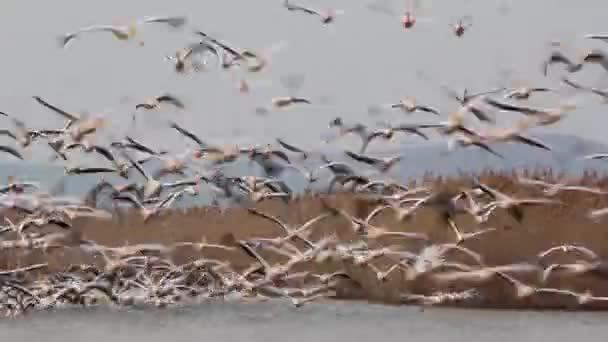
(566, 156)
(419, 159)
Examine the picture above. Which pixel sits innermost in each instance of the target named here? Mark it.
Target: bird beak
(132, 31)
(568, 107)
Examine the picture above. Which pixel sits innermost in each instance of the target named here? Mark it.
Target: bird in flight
(123, 32)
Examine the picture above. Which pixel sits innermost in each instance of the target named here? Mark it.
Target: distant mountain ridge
(419, 159)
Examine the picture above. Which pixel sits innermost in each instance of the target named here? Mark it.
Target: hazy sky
(363, 59)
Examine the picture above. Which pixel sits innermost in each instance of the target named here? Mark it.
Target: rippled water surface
(278, 321)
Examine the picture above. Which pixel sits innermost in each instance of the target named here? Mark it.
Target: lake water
(278, 321)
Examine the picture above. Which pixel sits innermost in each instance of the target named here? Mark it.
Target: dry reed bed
(541, 228)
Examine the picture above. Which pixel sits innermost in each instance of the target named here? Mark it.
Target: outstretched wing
(269, 218)
(188, 134)
(12, 151)
(62, 112)
(289, 147)
(171, 99)
(507, 106)
(361, 158)
(175, 22)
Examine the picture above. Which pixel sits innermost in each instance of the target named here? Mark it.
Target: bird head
(592, 56)
(567, 107)
(249, 54)
(337, 122)
(131, 30)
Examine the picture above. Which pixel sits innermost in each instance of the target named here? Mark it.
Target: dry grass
(541, 228)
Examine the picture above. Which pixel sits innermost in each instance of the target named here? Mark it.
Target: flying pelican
(514, 206)
(524, 93)
(600, 92)
(124, 32)
(602, 37)
(597, 57)
(327, 16)
(552, 189)
(289, 229)
(471, 101)
(285, 101)
(409, 105)
(156, 101)
(292, 148)
(464, 140)
(11, 150)
(557, 57)
(382, 164)
(545, 117)
(460, 27)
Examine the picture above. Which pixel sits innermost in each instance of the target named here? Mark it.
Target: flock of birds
(145, 274)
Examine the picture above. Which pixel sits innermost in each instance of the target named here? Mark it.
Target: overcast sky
(364, 58)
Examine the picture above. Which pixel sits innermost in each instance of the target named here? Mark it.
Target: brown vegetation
(513, 242)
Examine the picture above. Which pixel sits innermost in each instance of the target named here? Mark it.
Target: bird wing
(176, 184)
(237, 55)
(90, 198)
(338, 168)
(362, 158)
(584, 189)
(269, 218)
(292, 7)
(488, 149)
(136, 165)
(282, 155)
(140, 147)
(171, 99)
(252, 253)
(11, 151)
(412, 129)
(482, 93)
(480, 114)
(507, 106)
(83, 170)
(428, 109)
(573, 84)
(495, 195)
(597, 36)
(66, 38)
(65, 114)
(584, 250)
(175, 22)
(537, 201)
(105, 153)
(128, 197)
(529, 181)
(289, 147)
(277, 185)
(597, 156)
(7, 133)
(314, 220)
(188, 134)
(532, 142)
(540, 89)
(98, 28)
(167, 201)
